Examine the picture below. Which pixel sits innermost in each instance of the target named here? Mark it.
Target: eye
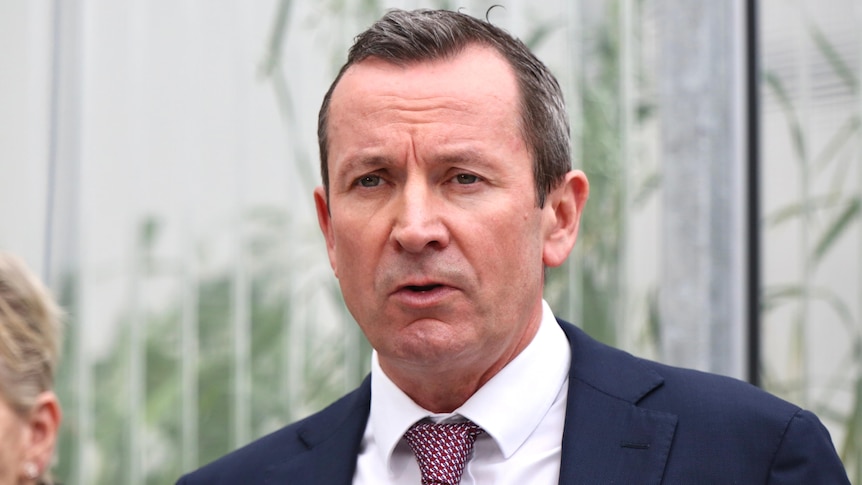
(369, 181)
(466, 178)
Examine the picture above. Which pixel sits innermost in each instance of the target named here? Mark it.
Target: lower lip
(423, 299)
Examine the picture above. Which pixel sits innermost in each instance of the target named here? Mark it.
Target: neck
(441, 393)
(444, 387)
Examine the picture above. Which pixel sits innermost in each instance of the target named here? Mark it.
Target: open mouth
(421, 289)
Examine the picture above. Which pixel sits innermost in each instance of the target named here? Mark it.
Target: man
(447, 190)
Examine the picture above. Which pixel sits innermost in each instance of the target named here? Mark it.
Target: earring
(31, 470)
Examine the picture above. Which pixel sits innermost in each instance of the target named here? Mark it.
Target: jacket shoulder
(252, 462)
(663, 387)
(725, 427)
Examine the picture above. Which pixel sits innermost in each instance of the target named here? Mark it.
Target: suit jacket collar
(607, 438)
(332, 439)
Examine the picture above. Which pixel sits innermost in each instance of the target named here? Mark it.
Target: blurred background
(157, 161)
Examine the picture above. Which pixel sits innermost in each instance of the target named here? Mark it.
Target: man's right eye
(369, 181)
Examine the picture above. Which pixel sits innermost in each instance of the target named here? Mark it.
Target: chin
(438, 353)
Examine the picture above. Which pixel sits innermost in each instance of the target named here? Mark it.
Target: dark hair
(403, 37)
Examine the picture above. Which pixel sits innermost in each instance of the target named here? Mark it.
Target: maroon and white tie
(442, 450)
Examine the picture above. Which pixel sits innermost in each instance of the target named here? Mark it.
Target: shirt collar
(508, 407)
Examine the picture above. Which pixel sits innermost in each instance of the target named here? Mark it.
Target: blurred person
(30, 336)
(447, 191)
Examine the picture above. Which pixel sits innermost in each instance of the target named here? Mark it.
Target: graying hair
(403, 37)
(30, 334)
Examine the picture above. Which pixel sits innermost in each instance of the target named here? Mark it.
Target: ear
(324, 218)
(43, 424)
(562, 212)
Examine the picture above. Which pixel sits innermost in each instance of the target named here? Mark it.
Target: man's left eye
(466, 178)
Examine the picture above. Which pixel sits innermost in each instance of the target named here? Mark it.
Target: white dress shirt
(522, 410)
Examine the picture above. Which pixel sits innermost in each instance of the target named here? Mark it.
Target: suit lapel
(332, 439)
(607, 438)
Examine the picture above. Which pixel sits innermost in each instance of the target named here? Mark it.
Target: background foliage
(211, 352)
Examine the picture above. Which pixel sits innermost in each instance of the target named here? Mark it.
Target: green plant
(590, 288)
(826, 214)
(155, 435)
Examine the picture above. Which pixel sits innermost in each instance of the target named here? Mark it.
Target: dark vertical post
(753, 191)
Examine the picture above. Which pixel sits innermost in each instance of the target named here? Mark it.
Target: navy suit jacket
(628, 421)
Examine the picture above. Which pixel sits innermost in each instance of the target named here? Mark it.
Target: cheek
(357, 251)
(518, 236)
(508, 248)
(524, 254)
(10, 450)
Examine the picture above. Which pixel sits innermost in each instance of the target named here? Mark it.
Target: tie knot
(442, 450)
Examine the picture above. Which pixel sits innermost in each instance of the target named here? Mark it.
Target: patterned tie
(442, 450)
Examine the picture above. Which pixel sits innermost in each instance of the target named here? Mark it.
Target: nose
(418, 220)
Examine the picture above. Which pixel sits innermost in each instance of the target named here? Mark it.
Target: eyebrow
(363, 163)
(463, 155)
(368, 163)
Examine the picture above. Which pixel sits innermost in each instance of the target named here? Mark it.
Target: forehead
(477, 78)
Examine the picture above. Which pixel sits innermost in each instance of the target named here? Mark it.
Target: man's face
(432, 226)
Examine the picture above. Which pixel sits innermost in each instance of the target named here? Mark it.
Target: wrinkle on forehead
(410, 108)
(379, 109)
(413, 81)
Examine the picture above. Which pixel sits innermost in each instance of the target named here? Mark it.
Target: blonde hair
(30, 335)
